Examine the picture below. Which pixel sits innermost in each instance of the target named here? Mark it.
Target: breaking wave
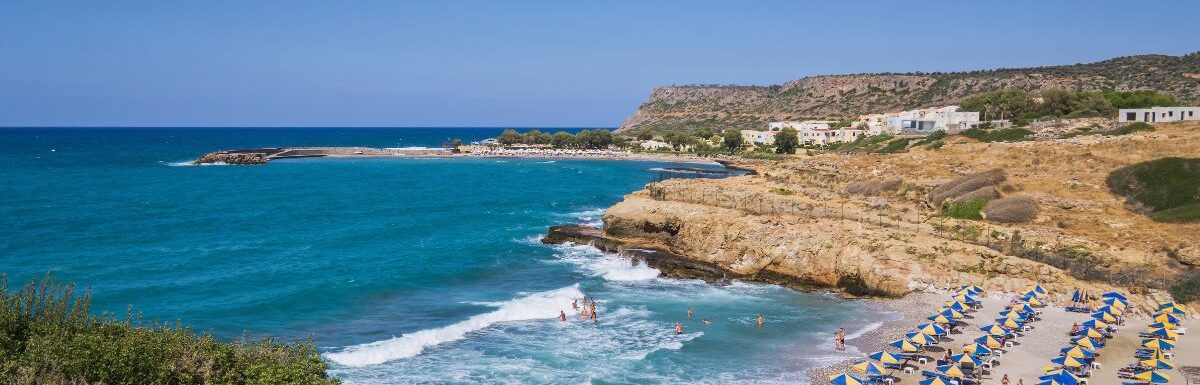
(611, 267)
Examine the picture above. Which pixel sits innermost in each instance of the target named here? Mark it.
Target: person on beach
(689, 312)
(594, 321)
(1004, 380)
(678, 328)
(1074, 328)
(562, 315)
(760, 320)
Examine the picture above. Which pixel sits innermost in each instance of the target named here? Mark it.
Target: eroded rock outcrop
(240, 158)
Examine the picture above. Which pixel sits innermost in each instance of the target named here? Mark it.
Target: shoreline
(912, 309)
(265, 155)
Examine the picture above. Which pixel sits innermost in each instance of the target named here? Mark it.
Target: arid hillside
(867, 223)
(751, 107)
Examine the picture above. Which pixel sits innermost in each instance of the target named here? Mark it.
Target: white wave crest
(541, 305)
(610, 266)
(189, 164)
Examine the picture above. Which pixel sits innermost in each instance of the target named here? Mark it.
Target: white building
(654, 145)
(1158, 114)
(759, 137)
(927, 120)
(799, 125)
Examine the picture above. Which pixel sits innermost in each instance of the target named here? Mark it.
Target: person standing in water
(562, 315)
(706, 321)
(760, 320)
(841, 339)
(575, 304)
(678, 328)
(689, 312)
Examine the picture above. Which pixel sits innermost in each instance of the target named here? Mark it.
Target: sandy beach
(1031, 351)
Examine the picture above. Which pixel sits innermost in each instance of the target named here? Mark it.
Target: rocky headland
(867, 225)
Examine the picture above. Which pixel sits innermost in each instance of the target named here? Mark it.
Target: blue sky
(498, 63)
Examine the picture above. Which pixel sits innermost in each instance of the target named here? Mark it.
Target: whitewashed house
(925, 121)
(1158, 114)
(758, 137)
(654, 145)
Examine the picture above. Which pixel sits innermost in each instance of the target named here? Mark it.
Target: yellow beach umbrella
(1010, 323)
(1163, 332)
(1153, 376)
(1086, 342)
(1105, 316)
(1076, 352)
(869, 368)
(908, 347)
(995, 330)
(1071, 362)
(1034, 302)
(1158, 344)
(885, 357)
(936, 381)
(920, 339)
(954, 371)
(942, 320)
(1093, 333)
(989, 341)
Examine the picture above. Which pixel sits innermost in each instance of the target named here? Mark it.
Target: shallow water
(404, 270)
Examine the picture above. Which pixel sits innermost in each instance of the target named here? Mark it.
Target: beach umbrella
(1158, 344)
(1086, 342)
(1068, 361)
(1094, 323)
(919, 338)
(1159, 325)
(845, 379)
(934, 381)
(1092, 333)
(1157, 363)
(1009, 323)
(951, 313)
(973, 289)
(1114, 302)
(1152, 376)
(1113, 294)
(988, 341)
(977, 349)
(905, 345)
(1110, 309)
(1028, 296)
(1015, 316)
(1034, 302)
(952, 371)
(1059, 376)
(885, 357)
(966, 299)
(1079, 295)
(1024, 308)
(957, 306)
(1103, 316)
(932, 329)
(1163, 333)
(869, 368)
(1171, 305)
(1164, 317)
(993, 329)
(1078, 352)
(941, 319)
(1171, 309)
(963, 358)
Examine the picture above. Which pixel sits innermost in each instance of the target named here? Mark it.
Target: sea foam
(611, 267)
(541, 305)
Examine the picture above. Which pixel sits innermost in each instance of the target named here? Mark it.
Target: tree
(456, 143)
(645, 135)
(531, 136)
(1093, 103)
(1057, 101)
(1003, 103)
(732, 140)
(562, 139)
(509, 137)
(786, 141)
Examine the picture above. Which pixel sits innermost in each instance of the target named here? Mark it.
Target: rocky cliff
(751, 107)
(796, 222)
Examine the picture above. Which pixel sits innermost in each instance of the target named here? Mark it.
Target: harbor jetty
(264, 155)
(267, 154)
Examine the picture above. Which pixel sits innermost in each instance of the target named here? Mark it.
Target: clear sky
(508, 63)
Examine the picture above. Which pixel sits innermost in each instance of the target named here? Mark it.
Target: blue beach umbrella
(845, 379)
(934, 381)
(1095, 324)
(932, 329)
(1153, 376)
(1158, 344)
(993, 329)
(963, 358)
(1079, 295)
(1113, 294)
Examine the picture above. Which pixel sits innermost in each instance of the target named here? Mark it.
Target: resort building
(1158, 114)
(654, 145)
(758, 137)
(799, 125)
(927, 120)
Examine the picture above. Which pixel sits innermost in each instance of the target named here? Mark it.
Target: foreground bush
(1018, 209)
(47, 336)
(998, 135)
(873, 187)
(1166, 189)
(965, 209)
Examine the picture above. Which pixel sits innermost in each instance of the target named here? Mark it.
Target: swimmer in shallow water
(562, 315)
(678, 328)
(760, 320)
(689, 312)
(706, 322)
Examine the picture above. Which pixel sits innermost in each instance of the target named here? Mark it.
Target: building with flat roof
(925, 121)
(1158, 114)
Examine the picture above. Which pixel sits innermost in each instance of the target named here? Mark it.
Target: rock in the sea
(242, 158)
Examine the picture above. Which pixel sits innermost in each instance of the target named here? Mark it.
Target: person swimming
(689, 312)
(575, 304)
(706, 321)
(760, 320)
(678, 328)
(562, 315)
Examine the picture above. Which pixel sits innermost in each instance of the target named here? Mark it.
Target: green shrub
(47, 336)
(965, 209)
(1186, 288)
(999, 135)
(1168, 187)
(897, 145)
(1131, 128)
(936, 145)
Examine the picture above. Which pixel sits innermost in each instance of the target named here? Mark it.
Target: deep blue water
(404, 270)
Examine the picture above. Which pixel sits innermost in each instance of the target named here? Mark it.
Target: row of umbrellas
(940, 324)
(1161, 337)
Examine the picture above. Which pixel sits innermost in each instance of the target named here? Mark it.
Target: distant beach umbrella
(932, 329)
(973, 289)
(1165, 317)
(1115, 302)
(1086, 342)
(963, 358)
(1169, 305)
(1037, 289)
(993, 329)
(1079, 296)
(919, 338)
(1061, 377)
(1153, 376)
(957, 306)
(1106, 317)
(988, 341)
(1078, 352)
(1111, 310)
(952, 371)
(1113, 294)
(885, 357)
(905, 345)
(976, 349)
(1094, 323)
(1068, 361)
(934, 381)
(1171, 308)
(951, 313)
(1092, 333)
(941, 319)
(1009, 323)
(1158, 344)
(1163, 333)
(869, 368)
(845, 379)
(1157, 363)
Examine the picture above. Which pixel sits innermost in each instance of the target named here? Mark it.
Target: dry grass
(960, 187)
(1018, 209)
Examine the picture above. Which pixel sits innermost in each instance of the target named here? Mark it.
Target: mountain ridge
(689, 107)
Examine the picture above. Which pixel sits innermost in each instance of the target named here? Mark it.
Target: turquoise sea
(405, 271)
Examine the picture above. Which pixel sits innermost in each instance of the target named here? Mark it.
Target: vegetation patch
(965, 209)
(999, 135)
(966, 184)
(873, 187)
(1186, 288)
(1167, 189)
(47, 336)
